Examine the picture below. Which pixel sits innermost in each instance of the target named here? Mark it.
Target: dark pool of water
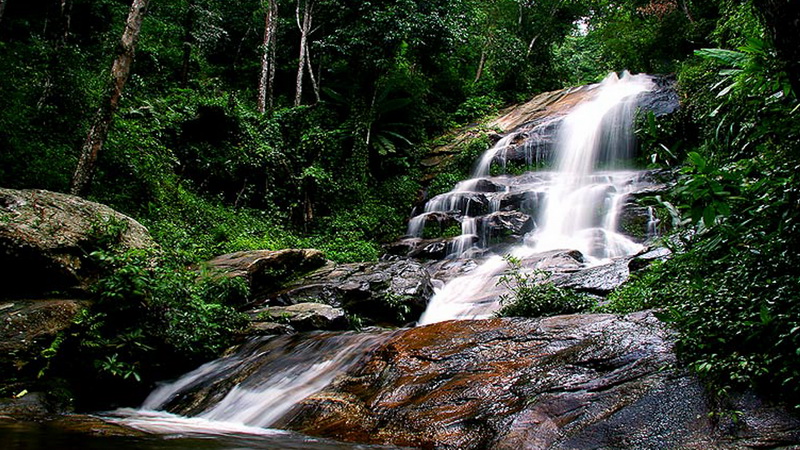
(43, 436)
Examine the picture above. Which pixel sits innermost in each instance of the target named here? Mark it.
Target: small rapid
(251, 389)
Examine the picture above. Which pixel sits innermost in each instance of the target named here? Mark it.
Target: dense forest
(269, 124)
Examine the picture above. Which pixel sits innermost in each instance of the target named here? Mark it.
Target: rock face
(302, 317)
(581, 381)
(45, 238)
(28, 327)
(384, 292)
(266, 270)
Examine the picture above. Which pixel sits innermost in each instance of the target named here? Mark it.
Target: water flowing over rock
(577, 381)
(264, 379)
(577, 206)
(585, 381)
(46, 238)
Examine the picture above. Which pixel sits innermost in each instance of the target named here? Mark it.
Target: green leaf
(709, 216)
(697, 160)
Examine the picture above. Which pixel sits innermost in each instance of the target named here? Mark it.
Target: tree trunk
(686, 11)
(188, 24)
(120, 71)
(314, 83)
(481, 63)
(2, 8)
(782, 20)
(66, 17)
(266, 79)
(304, 27)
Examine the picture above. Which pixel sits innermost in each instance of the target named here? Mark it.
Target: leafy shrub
(534, 295)
(476, 107)
(151, 319)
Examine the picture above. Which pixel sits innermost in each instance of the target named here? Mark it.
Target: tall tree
(303, 60)
(266, 80)
(120, 71)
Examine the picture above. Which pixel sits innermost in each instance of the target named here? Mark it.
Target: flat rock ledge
(565, 382)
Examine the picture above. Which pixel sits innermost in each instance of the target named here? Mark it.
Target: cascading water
(252, 388)
(581, 202)
(575, 207)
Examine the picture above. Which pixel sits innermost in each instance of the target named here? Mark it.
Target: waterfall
(581, 201)
(575, 206)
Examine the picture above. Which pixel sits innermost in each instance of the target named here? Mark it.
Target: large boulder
(392, 292)
(267, 270)
(580, 381)
(46, 238)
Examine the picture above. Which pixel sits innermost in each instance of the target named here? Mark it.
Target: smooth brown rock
(46, 238)
(580, 381)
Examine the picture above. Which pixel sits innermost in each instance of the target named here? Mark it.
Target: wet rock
(634, 221)
(555, 261)
(266, 270)
(580, 381)
(663, 99)
(505, 223)
(526, 201)
(426, 249)
(268, 329)
(432, 249)
(598, 280)
(46, 238)
(91, 425)
(301, 317)
(648, 257)
(481, 185)
(384, 292)
(29, 326)
(31, 406)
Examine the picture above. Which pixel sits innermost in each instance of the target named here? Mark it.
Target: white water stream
(578, 205)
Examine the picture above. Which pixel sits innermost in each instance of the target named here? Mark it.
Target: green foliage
(534, 295)
(730, 288)
(475, 108)
(150, 315)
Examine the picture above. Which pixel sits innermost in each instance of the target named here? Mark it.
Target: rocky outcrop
(46, 238)
(392, 292)
(300, 317)
(580, 381)
(267, 270)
